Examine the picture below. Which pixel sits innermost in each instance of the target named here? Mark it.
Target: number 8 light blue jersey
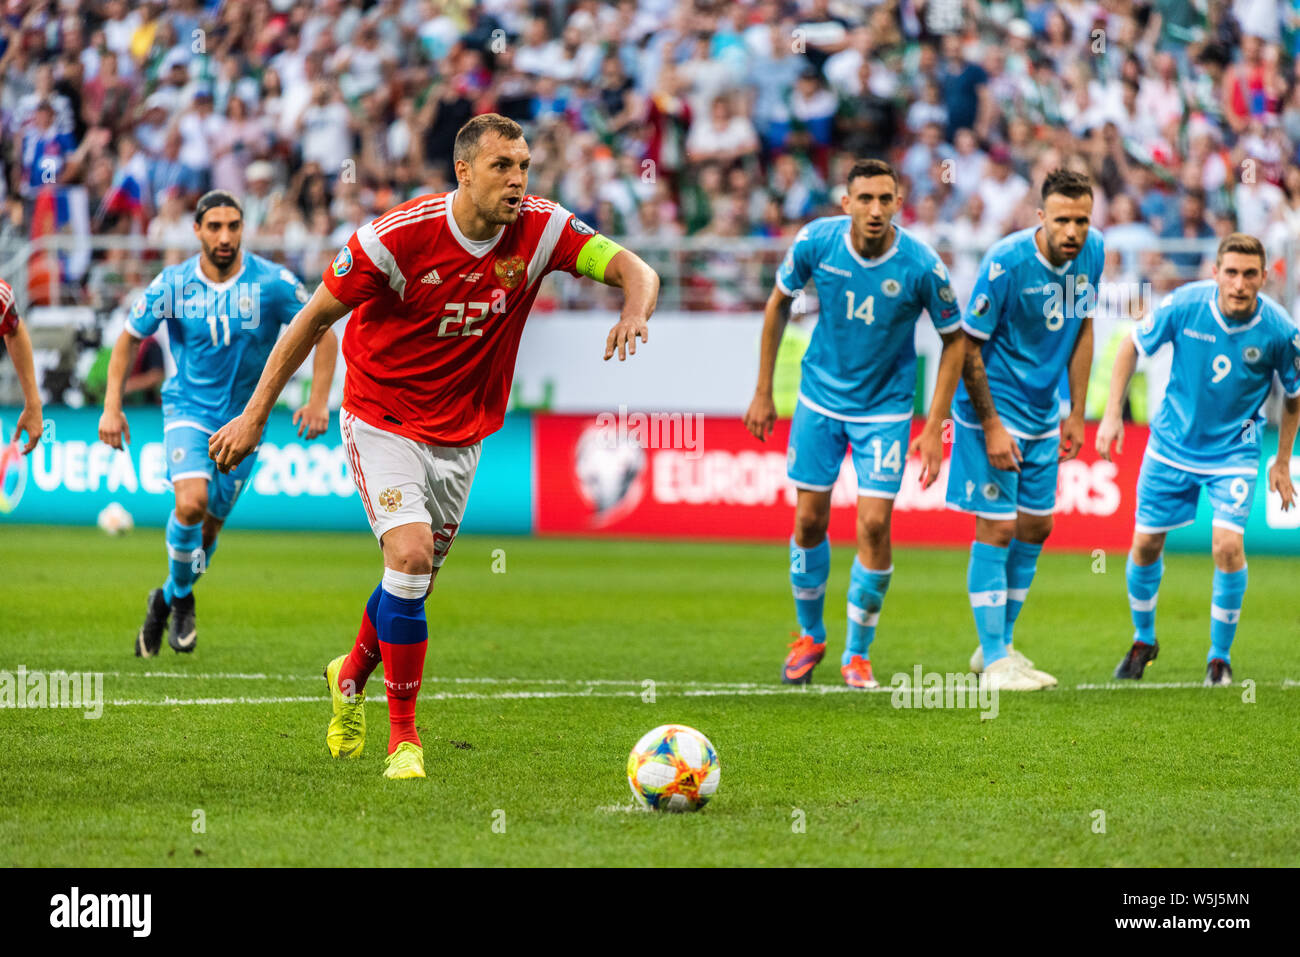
(861, 361)
(1211, 416)
(220, 334)
(1029, 313)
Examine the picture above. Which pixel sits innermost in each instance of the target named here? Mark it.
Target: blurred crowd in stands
(654, 120)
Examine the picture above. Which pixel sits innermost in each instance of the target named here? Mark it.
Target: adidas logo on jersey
(432, 277)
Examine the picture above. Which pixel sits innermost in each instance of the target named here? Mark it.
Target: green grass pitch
(533, 698)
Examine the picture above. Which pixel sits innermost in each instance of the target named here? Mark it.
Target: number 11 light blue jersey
(220, 334)
(861, 361)
(1211, 416)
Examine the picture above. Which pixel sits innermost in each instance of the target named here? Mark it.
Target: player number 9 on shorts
(1239, 491)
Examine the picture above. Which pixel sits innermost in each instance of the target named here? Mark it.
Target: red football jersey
(8, 309)
(436, 317)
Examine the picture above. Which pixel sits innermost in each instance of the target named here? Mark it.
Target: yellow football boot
(346, 735)
(406, 762)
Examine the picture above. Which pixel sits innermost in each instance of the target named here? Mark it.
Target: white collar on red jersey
(475, 247)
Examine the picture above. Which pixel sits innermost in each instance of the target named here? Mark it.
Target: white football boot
(1005, 675)
(1023, 663)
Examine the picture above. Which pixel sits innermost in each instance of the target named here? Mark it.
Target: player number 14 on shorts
(866, 312)
(893, 459)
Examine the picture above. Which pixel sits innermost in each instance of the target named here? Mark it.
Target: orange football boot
(805, 655)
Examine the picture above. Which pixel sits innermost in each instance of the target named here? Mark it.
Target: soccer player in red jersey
(439, 289)
(19, 346)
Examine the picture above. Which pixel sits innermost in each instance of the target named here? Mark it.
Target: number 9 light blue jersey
(861, 361)
(1028, 314)
(220, 334)
(1211, 416)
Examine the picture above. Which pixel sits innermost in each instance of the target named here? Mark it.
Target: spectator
(325, 128)
(46, 150)
(1001, 189)
(234, 144)
(922, 156)
(1127, 235)
(867, 122)
(963, 85)
(722, 137)
(1190, 224)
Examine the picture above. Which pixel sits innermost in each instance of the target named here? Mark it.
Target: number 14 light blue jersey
(220, 334)
(1211, 416)
(861, 362)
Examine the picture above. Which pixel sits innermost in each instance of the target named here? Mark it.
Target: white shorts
(403, 482)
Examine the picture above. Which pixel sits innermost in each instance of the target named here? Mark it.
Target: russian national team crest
(342, 262)
(390, 499)
(510, 272)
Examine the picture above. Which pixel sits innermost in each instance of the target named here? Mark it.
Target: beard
(222, 259)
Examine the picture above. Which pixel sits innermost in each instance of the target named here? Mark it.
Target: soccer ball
(115, 520)
(673, 768)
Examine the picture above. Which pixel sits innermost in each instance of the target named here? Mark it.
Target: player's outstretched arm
(313, 419)
(929, 444)
(640, 285)
(19, 346)
(1079, 370)
(760, 418)
(1112, 421)
(1279, 473)
(1000, 445)
(113, 429)
(232, 443)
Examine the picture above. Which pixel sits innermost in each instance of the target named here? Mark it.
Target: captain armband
(595, 256)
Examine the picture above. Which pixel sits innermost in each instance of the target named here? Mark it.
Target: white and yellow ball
(673, 768)
(115, 520)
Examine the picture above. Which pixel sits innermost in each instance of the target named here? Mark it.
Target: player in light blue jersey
(857, 389)
(1029, 321)
(1229, 344)
(224, 308)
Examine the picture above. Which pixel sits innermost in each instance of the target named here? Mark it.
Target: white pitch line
(690, 693)
(185, 702)
(428, 679)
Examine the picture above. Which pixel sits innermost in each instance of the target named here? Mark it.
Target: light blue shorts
(186, 445)
(1167, 496)
(818, 442)
(975, 486)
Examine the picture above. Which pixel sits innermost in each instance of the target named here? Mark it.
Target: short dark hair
(211, 200)
(466, 146)
(871, 167)
(1068, 183)
(1242, 243)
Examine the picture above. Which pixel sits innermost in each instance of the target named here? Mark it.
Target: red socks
(364, 657)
